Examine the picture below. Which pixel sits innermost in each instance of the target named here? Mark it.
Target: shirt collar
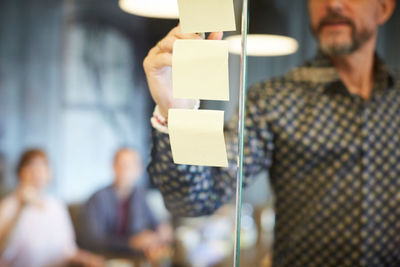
(384, 76)
(321, 72)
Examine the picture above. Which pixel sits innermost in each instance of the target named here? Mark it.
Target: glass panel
(72, 83)
(241, 129)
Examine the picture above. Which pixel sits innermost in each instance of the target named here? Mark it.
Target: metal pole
(242, 114)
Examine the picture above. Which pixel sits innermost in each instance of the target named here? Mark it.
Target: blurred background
(72, 83)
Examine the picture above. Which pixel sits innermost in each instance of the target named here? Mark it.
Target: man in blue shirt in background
(117, 218)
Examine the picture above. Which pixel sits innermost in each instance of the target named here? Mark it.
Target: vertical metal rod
(242, 114)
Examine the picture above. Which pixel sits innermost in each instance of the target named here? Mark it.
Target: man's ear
(386, 10)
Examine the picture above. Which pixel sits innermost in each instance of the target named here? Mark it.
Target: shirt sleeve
(197, 190)
(67, 229)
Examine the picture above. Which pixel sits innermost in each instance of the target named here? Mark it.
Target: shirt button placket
(365, 164)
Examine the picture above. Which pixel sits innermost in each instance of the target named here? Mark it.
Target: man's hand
(144, 240)
(157, 66)
(84, 258)
(156, 254)
(151, 245)
(166, 233)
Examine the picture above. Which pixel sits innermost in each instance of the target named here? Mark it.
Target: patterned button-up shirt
(333, 160)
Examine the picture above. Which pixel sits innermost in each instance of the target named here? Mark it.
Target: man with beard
(327, 133)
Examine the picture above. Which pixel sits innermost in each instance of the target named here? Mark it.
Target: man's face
(343, 26)
(127, 168)
(36, 174)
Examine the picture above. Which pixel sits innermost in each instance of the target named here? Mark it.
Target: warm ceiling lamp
(162, 9)
(268, 31)
(264, 45)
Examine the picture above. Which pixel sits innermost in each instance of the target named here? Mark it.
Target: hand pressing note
(158, 68)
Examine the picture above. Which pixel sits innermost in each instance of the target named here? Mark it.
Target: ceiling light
(264, 45)
(163, 9)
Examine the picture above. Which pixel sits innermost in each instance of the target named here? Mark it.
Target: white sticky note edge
(197, 137)
(200, 69)
(197, 16)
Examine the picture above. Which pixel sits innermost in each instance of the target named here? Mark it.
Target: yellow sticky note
(200, 69)
(206, 15)
(197, 137)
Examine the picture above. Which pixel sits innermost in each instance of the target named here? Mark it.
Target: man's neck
(357, 69)
(123, 192)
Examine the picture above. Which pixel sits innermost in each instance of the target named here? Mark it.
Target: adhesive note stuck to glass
(197, 137)
(206, 15)
(200, 69)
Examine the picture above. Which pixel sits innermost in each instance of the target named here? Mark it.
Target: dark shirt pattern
(333, 159)
(104, 215)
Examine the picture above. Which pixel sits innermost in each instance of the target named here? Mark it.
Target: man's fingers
(215, 36)
(162, 60)
(166, 44)
(161, 55)
(194, 36)
(155, 61)
(177, 32)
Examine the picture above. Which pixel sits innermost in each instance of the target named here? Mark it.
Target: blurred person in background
(35, 229)
(117, 218)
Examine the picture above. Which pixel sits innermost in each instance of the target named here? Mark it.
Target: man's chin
(337, 48)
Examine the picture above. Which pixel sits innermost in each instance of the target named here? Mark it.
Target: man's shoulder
(100, 194)
(396, 76)
(277, 86)
(297, 79)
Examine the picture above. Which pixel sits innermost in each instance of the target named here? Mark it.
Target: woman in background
(35, 229)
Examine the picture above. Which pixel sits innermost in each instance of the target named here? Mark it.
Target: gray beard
(357, 41)
(339, 50)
